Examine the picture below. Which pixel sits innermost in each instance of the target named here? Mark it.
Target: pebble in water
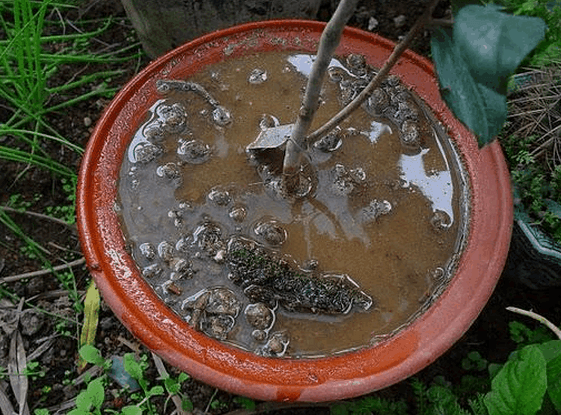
(147, 250)
(257, 76)
(213, 311)
(276, 346)
(271, 232)
(344, 181)
(330, 142)
(154, 132)
(259, 316)
(220, 197)
(207, 236)
(173, 117)
(441, 220)
(146, 152)
(193, 151)
(221, 116)
(166, 251)
(152, 271)
(375, 209)
(238, 213)
(170, 171)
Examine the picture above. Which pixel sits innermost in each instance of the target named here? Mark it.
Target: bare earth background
(489, 334)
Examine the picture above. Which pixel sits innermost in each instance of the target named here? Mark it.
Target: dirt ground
(489, 334)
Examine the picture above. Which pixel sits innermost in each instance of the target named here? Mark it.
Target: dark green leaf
(91, 355)
(519, 388)
(96, 392)
(554, 380)
(132, 366)
(494, 43)
(475, 59)
(172, 385)
(155, 391)
(482, 110)
(131, 410)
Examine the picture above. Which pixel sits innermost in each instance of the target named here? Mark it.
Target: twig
(538, 317)
(39, 215)
(329, 41)
(164, 374)
(380, 76)
(32, 274)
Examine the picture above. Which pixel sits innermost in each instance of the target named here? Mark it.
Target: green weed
(138, 391)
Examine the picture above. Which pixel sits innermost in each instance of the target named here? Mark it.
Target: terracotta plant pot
(320, 379)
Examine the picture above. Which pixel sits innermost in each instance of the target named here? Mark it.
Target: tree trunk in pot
(162, 25)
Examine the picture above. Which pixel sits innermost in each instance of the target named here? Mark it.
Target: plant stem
(330, 38)
(538, 317)
(380, 76)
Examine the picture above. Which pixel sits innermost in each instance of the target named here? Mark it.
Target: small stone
(166, 251)
(372, 23)
(219, 197)
(193, 151)
(271, 232)
(146, 152)
(409, 136)
(441, 220)
(173, 117)
(87, 121)
(152, 271)
(147, 251)
(260, 316)
(238, 213)
(257, 76)
(221, 116)
(375, 209)
(31, 322)
(399, 21)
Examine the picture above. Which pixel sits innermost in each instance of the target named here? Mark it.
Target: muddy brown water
(382, 225)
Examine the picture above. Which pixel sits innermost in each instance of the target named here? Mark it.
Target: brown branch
(40, 216)
(329, 41)
(32, 274)
(539, 318)
(380, 76)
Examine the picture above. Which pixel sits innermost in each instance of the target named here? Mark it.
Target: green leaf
(91, 317)
(132, 367)
(84, 402)
(172, 385)
(494, 43)
(554, 380)
(131, 410)
(96, 392)
(91, 355)
(155, 391)
(519, 388)
(475, 59)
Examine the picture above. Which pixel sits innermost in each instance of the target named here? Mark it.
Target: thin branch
(380, 76)
(32, 274)
(39, 215)
(164, 374)
(539, 318)
(329, 41)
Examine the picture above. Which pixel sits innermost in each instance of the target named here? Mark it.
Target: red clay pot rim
(322, 379)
